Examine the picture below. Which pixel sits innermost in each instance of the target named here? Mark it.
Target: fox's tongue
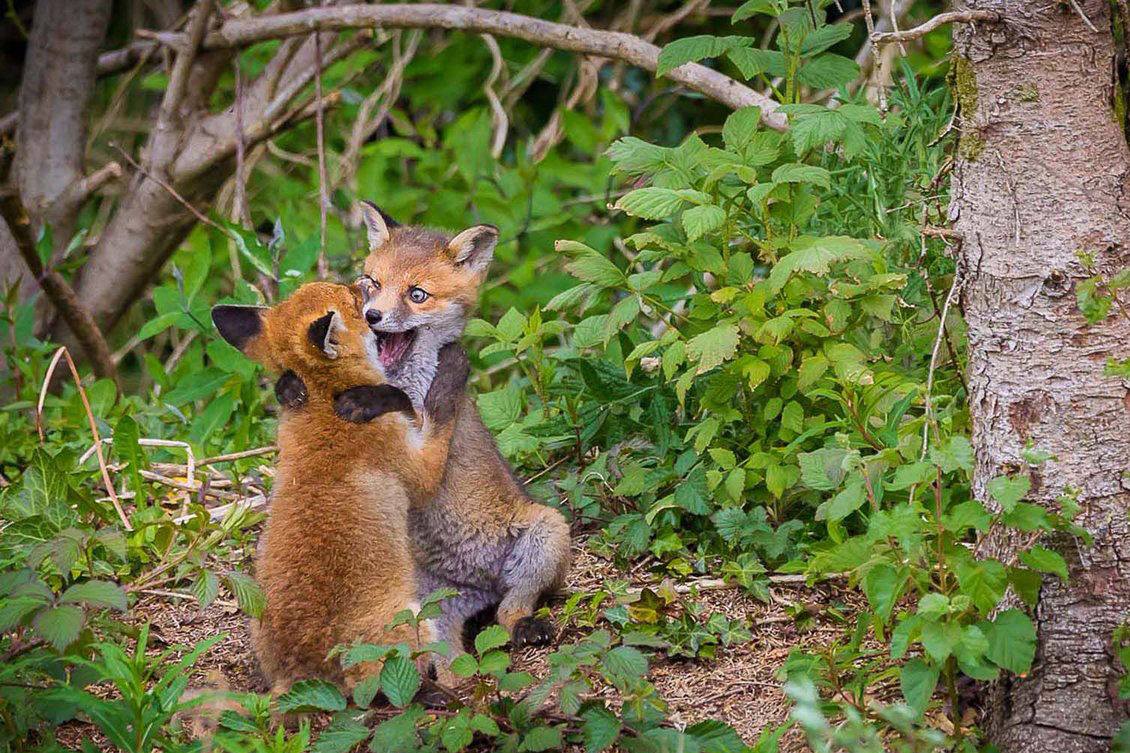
(393, 347)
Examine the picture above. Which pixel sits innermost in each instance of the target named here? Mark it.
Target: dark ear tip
(389, 221)
(236, 324)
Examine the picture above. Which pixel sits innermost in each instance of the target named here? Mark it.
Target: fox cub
(335, 561)
(480, 533)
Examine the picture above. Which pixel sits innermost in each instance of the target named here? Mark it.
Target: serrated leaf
(594, 268)
(341, 735)
(489, 638)
(824, 37)
(541, 738)
(398, 734)
(700, 220)
(1012, 641)
(816, 256)
(713, 347)
(1008, 491)
(600, 730)
(827, 71)
(650, 203)
(918, 680)
(248, 595)
(625, 661)
(796, 172)
(691, 49)
(311, 695)
(1045, 560)
(399, 680)
(96, 593)
(60, 626)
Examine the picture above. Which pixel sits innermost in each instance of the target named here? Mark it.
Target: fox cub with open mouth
(481, 533)
(335, 560)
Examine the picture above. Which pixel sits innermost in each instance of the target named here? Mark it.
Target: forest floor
(740, 686)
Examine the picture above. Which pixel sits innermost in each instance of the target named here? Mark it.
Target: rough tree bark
(55, 91)
(1043, 173)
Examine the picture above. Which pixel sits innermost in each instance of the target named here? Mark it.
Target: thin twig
(499, 120)
(62, 351)
(323, 183)
(182, 66)
(1083, 16)
(239, 455)
(57, 289)
(172, 191)
(950, 17)
(934, 362)
(877, 73)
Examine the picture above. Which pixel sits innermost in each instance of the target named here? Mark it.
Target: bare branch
(60, 293)
(610, 44)
(323, 182)
(163, 145)
(952, 17)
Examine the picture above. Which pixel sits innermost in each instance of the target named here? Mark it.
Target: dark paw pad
(532, 631)
(290, 390)
(364, 403)
(449, 384)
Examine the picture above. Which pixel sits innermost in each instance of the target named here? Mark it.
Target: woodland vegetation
(810, 315)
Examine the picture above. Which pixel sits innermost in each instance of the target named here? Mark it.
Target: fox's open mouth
(392, 347)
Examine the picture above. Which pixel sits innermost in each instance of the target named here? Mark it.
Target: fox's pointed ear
(474, 248)
(323, 332)
(377, 225)
(239, 325)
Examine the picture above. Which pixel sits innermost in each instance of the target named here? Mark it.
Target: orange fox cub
(481, 533)
(335, 561)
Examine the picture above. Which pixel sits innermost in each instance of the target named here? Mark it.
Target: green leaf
(816, 256)
(490, 638)
(753, 62)
(1045, 560)
(955, 455)
(311, 695)
(59, 626)
(983, 581)
(365, 691)
(494, 662)
(843, 504)
(206, 588)
(341, 735)
(690, 49)
(823, 469)
(594, 268)
(196, 386)
(883, 585)
(824, 37)
(693, 495)
(400, 680)
(751, 7)
(796, 172)
(939, 639)
(713, 347)
(398, 734)
(247, 593)
(96, 593)
(740, 128)
(625, 661)
(918, 680)
(650, 203)
(1009, 490)
(464, 665)
(600, 730)
(1012, 641)
(827, 71)
(541, 738)
(700, 220)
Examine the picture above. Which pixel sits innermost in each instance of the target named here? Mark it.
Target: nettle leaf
(713, 347)
(691, 49)
(1012, 641)
(918, 680)
(96, 593)
(650, 203)
(247, 593)
(60, 626)
(1009, 490)
(816, 256)
(700, 220)
(400, 680)
(311, 695)
(827, 71)
(1045, 560)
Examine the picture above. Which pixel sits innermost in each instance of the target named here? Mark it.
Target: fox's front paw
(532, 631)
(361, 404)
(450, 382)
(290, 390)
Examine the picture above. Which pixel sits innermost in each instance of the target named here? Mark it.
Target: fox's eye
(418, 295)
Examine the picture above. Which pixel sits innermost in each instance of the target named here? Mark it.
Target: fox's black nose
(372, 316)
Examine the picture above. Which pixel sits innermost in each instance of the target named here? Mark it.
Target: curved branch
(611, 44)
(950, 17)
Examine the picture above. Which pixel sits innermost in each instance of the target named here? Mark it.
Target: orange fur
(335, 560)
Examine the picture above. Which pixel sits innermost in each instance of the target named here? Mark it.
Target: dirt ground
(739, 686)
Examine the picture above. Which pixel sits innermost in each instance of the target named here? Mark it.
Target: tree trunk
(1043, 173)
(58, 80)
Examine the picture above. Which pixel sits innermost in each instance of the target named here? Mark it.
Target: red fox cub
(480, 533)
(335, 561)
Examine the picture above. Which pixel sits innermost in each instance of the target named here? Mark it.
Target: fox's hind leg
(537, 564)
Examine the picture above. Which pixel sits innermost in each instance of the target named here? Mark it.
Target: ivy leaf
(96, 593)
(713, 347)
(1009, 490)
(400, 680)
(691, 49)
(1012, 641)
(918, 680)
(311, 695)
